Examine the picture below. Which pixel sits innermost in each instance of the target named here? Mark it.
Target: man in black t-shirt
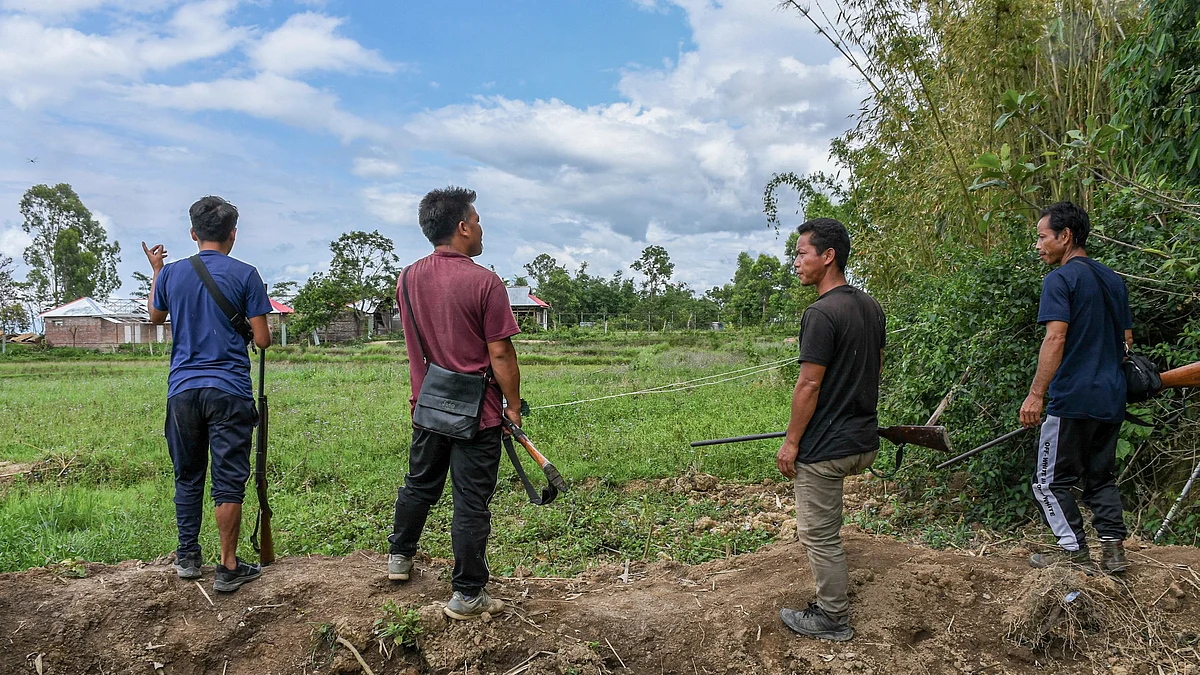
(833, 430)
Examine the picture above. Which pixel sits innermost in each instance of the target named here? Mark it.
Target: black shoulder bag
(1142, 381)
(236, 318)
(449, 403)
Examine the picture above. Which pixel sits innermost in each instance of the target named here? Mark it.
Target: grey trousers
(819, 526)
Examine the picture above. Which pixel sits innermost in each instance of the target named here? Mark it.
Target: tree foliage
(70, 255)
(365, 265)
(981, 112)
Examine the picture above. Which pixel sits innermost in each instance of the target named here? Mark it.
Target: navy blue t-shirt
(1090, 383)
(206, 351)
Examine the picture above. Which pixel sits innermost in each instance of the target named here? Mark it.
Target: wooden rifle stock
(261, 538)
(1184, 376)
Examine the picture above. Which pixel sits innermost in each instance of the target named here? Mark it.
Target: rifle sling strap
(548, 493)
(895, 469)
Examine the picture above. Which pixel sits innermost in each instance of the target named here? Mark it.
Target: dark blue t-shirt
(1090, 382)
(206, 351)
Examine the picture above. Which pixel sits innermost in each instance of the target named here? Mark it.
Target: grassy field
(100, 486)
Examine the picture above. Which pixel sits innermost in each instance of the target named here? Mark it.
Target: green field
(97, 481)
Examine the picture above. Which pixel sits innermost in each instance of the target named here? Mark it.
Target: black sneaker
(187, 565)
(816, 622)
(230, 580)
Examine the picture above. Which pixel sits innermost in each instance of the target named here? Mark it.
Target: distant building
(95, 324)
(526, 304)
(104, 324)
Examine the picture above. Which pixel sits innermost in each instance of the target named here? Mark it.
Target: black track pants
(473, 467)
(1082, 451)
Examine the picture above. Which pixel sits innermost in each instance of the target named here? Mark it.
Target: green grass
(102, 486)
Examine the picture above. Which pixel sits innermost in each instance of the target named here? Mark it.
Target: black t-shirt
(844, 330)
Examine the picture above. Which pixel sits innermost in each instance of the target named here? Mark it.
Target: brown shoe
(1112, 556)
(1081, 558)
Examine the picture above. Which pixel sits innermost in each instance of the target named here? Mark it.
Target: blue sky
(589, 128)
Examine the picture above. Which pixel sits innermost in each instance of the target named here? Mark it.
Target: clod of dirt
(703, 524)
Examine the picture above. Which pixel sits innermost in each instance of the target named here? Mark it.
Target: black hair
(825, 234)
(442, 210)
(213, 218)
(1067, 216)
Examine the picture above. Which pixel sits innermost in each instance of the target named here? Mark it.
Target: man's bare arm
(1049, 359)
(157, 257)
(262, 331)
(804, 404)
(508, 375)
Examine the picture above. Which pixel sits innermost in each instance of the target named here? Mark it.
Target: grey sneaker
(816, 622)
(187, 565)
(464, 609)
(229, 580)
(399, 567)
(1081, 559)
(1112, 556)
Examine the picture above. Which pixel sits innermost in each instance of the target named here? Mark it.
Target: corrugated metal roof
(519, 296)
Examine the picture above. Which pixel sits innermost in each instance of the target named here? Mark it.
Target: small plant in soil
(323, 638)
(400, 625)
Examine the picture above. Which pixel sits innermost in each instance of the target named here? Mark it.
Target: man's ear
(829, 256)
(232, 235)
(194, 237)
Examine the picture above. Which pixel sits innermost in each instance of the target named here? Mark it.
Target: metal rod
(992, 443)
(1175, 507)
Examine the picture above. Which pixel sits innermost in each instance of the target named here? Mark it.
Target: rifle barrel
(971, 453)
(739, 439)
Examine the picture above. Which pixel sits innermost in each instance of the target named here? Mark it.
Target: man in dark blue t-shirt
(210, 402)
(1085, 308)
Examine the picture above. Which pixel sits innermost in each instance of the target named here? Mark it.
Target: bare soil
(916, 610)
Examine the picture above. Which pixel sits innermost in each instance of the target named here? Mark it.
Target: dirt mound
(916, 610)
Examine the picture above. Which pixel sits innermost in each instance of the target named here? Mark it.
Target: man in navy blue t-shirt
(1085, 308)
(210, 403)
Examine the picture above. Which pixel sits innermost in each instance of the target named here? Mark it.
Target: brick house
(92, 324)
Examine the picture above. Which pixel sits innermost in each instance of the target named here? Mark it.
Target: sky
(590, 129)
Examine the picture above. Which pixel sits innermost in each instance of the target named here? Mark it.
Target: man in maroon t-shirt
(465, 322)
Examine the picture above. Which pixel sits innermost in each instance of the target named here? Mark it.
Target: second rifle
(932, 437)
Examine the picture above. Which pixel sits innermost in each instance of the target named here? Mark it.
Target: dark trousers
(1084, 452)
(201, 422)
(473, 467)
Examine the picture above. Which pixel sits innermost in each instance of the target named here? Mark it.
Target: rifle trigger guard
(896, 469)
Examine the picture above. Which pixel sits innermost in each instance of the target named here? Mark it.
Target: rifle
(557, 484)
(934, 438)
(266, 553)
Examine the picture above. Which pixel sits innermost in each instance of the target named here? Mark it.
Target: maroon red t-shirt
(460, 308)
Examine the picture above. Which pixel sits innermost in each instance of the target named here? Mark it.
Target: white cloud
(307, 42)
(40, 63)
(397, 208)
(690, 148)
(266, 95)
(13, 241)
(374, 167)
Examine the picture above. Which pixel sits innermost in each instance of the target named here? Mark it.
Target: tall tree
(655, 264)
(70, 252)
(13, 317)
(365, 265)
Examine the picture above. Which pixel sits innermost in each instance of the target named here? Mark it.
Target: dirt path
(917, 611)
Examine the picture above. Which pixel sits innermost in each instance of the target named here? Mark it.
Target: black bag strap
(548, 493)
(227, 307)
(411, 315)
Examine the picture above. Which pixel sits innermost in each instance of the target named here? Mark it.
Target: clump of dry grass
(1063, 610)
